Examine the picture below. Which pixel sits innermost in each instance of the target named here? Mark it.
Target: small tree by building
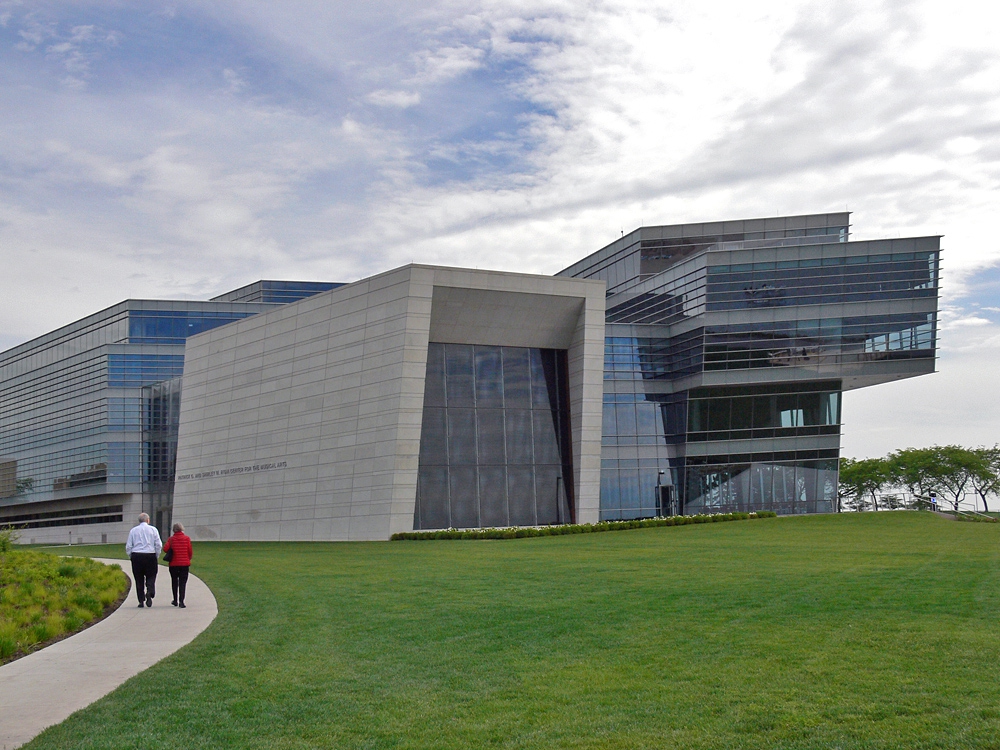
(862, 480)
(987, 480)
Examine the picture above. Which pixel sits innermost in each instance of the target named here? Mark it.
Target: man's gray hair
(144, 518)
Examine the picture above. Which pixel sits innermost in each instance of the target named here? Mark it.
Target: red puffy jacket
(180, 543)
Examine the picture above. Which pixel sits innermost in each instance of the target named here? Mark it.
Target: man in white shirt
(142, 547)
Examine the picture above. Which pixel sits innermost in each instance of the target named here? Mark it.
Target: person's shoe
(141, 605)
(182, 605)
(149, 601)
(174, 603)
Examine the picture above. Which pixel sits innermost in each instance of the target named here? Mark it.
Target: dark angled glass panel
(742, 414)
(518, 429)
(718, 414)
(544, 435)
(432, 505)
(461, 436)
(434, 387)
(521, 495)
(763, 412)
(516, 378)
(544, 382)
(810, 407)
(493, 496)
(489, 377)
(434, 438)
(674, 416)
(458, 359)
(491, 449)
(547, 494)
(698, 415)
(490, 429)
(464, 497)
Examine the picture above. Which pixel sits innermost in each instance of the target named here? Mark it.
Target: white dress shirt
(143, 538)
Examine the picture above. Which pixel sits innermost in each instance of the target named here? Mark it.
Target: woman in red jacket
(180, 563)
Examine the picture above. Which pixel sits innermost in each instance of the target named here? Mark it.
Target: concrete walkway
(45, 687)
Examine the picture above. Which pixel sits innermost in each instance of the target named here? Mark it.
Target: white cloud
(971, 321)
(233, 81)
(399, 99)
(443, 63)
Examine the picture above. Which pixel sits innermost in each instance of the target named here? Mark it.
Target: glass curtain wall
(495, 440)
(786, 487)
(764, 411)
(161, 418)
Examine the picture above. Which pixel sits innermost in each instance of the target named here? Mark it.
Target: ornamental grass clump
(522, 532)
(44, 597)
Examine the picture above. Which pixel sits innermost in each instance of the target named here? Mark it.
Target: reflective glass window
(496, 422)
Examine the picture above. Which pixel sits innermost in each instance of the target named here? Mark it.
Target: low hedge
(521, 532)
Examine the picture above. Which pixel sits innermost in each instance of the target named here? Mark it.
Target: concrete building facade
(321, 403)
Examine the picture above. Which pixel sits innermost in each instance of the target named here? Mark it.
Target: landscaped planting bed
(44, 597)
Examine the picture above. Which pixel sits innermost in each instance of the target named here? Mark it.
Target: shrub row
(521, 532)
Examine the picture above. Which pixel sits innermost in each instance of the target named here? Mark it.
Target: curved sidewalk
(45, 687)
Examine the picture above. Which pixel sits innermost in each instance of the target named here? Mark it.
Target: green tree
(987, 480)
(916, 469)
(863, 479)
(947, 470)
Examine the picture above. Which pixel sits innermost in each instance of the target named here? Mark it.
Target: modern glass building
(428, 397)
(89, 412)
(728, 347)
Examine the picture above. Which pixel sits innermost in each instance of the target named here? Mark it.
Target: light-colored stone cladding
(303, 423)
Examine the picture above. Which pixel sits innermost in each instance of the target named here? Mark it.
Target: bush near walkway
(44, 597)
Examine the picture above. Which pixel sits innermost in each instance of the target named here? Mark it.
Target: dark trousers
(144, 569)
(179, 581)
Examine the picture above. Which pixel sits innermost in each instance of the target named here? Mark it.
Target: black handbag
(168, 555)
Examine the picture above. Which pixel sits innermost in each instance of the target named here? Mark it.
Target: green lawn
(853, 631)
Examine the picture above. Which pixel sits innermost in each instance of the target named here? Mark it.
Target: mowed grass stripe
(852, 631)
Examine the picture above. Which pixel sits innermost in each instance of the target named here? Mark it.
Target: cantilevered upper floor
(763, 300)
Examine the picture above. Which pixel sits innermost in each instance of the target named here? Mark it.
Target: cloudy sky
(182, 149)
